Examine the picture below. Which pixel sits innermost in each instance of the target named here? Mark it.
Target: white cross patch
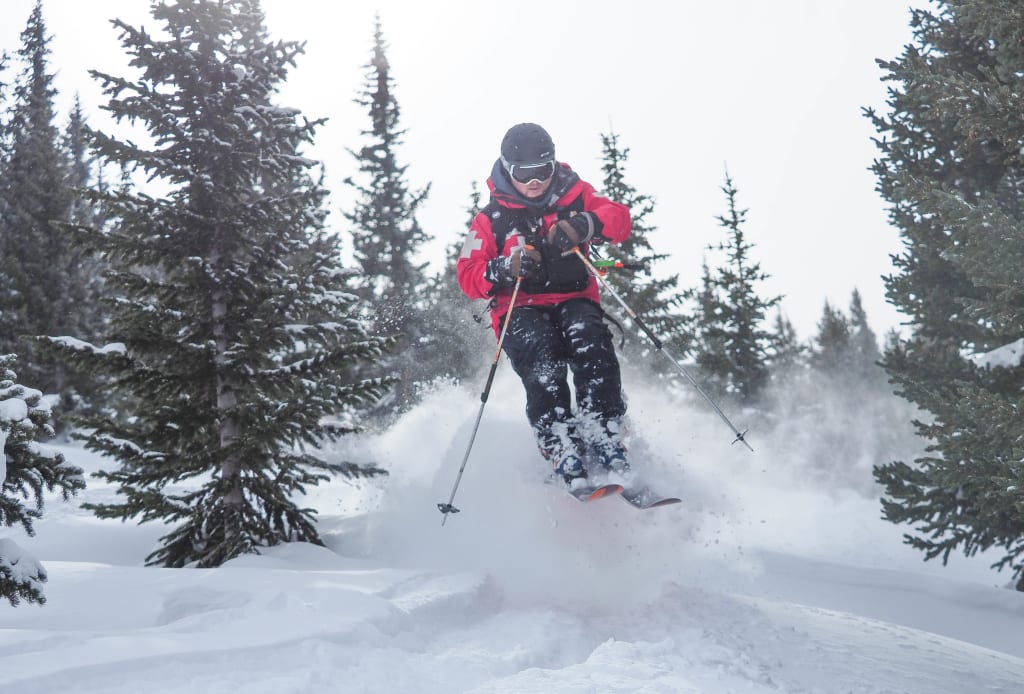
(473, 243)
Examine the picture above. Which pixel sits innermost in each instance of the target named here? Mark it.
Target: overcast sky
(773, 91)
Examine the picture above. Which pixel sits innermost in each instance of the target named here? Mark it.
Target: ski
(645, 498)
(593, 493)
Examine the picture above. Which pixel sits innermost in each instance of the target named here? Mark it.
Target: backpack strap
(503, 221)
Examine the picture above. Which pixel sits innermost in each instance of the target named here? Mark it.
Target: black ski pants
(544, 341)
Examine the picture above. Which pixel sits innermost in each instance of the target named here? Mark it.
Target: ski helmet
(526, 144)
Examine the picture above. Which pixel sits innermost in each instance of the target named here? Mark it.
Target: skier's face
(533, 188)
(532, 180)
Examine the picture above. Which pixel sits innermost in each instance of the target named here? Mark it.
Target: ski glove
(566, 234)
(503, 270)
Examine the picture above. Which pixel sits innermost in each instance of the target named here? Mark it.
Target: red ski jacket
(566, 194)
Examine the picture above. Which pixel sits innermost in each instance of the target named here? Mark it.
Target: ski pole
(448, 508)
(661, 347)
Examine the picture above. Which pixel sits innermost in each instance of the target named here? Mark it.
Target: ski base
(645, 498)
(593, 493)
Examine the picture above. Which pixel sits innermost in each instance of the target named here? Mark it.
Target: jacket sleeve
(478, 249)
(616, 223)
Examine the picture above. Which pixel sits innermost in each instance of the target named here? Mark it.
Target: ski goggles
(532, 172)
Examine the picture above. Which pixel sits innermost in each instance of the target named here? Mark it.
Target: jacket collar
(506, 195)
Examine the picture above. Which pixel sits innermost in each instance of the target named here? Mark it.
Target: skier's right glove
(503, 270)
(566, 234)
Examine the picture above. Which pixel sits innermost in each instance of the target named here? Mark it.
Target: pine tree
(838, 413)
(233, 326)
(4, 59)
(28, 470)
(734, 348)
(386, 236)
(846, 346)
(658, 301)
(832, 352)
(37, 296)
(457, 340)
(863, 342)
(788, 354)
(83, 268)
(83, 174)
(951, 168)
(4, 132)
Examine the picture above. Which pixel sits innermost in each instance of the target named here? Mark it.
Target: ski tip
(606, 490)
(644, 499)
(594, 493)
(665, 502)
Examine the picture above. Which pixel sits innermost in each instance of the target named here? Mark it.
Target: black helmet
(526, 144)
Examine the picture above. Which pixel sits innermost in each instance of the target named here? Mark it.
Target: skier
(539, 211)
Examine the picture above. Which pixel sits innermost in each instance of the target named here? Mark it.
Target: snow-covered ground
(761, 581)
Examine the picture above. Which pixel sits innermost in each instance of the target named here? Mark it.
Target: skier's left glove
(566, 234)
(503, 270)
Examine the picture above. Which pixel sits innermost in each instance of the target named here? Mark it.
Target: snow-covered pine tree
(458, 341)
(846, 346)
(658, 301)
(788, 354)
(36, 296)
(834, 408)
(734, 346)
(386, 236)
(951, 168)
(234, 333)
(83, 268)
(831, 352)
(4, 59)
(864, 342)
(85, 175)
(28, 470)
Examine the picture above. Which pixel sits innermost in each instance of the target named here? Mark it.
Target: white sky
(772, 90)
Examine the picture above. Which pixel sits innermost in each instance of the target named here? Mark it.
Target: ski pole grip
(490, 380)
(650, 334)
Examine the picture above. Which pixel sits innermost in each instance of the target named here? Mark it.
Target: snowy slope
(755, 584)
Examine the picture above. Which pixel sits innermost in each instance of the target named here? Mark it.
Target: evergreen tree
(658, 301)
(83, 174)
(834, 409)
(786, 396)
(4, 132)
(832, 352)
(28, 470)
(37, 296)
(457, 341)
(4, 58)
(846, 346)
(234, 332)
(734, 348)
(863, 342)
(386, 237)
(788, 354)
(951, 168)
(84, 269)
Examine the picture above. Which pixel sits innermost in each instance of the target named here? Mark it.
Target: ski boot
(612, 457)
(570, 468)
